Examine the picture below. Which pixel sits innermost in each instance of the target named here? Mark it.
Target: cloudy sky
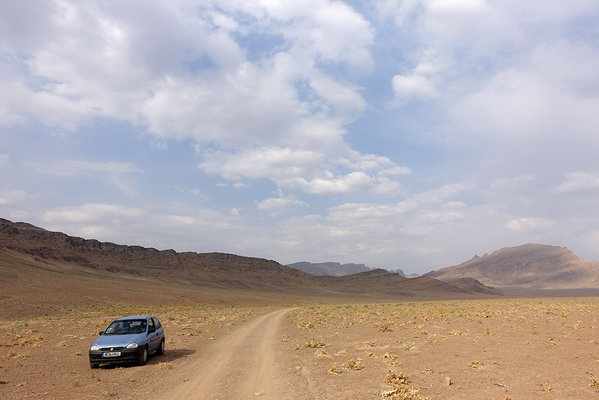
(406, 134)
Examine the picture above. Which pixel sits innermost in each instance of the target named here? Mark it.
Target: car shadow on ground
(171, 355)
(153, 359)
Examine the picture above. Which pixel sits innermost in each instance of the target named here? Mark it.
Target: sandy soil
(240, 366)
(47, 357)
(492, 349)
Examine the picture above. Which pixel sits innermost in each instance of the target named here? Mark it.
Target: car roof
(134, 317)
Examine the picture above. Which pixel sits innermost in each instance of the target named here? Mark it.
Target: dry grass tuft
(320, 353)
(335, 369)
(385, 327)
(594, 382)
(165, 365)
(411, 348)
(314, 344)
(389, 356)
(401, 388)
(397, 379)
(354, 365)
(545, 387)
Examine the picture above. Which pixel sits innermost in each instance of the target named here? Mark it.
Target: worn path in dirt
(241, 365)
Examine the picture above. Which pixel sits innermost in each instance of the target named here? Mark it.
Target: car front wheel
(94, 365)
(143, 356)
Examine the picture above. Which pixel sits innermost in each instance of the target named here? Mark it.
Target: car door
(152, 335)
(159, 330)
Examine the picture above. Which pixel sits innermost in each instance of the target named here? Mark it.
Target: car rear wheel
(143, 356)
(160, 348)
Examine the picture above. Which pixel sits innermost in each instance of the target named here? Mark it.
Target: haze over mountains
(51, 267)
(56, 268)
(334, 268)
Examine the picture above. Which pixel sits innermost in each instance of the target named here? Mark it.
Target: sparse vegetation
(525, 347)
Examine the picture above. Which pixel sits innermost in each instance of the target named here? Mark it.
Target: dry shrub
(19, 340)
(411, 348)
(14, 354)
(385, 327)
(401, 388)
(354, 365)
(477, 364)
(320, 353)
(305, 325)
(396, 379)
(314, 344)
(545, 387)
(594, 382)
(406, 393)
(165, 365)
(335, 369)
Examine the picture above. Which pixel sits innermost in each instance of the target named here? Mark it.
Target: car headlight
(94, 347)
(132, 346)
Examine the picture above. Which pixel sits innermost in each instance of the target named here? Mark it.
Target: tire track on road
(240, 366)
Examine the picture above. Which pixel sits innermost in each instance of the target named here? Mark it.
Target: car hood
(119, 340)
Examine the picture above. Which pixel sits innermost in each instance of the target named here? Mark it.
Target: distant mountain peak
(530, 265)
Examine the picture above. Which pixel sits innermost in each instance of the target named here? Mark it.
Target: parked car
(128, 340)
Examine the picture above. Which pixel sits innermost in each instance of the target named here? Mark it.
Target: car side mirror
(101, 333)
(151, 329)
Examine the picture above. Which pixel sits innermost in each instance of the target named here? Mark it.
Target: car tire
(160, 349)
(94, 365)
(142, 359)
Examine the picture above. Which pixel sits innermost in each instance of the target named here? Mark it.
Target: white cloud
(277, 205)
(261, 163)
(95, 62)
(148, 227)
(4, 160)
(555, 81)
(80, 167)
(578, 182)
(349, 183)
(445, 192)
(529, 225)
(501, 184)
(411, 86)
(14, 197)
(309, 171)
(110, 214)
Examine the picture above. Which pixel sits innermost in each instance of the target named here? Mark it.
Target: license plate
(111, 354)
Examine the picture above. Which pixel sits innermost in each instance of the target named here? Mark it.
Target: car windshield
(126, 327)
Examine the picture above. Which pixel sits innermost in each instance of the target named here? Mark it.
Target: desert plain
(246, 328)
(527, 348)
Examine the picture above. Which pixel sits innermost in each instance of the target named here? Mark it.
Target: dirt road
(241, 365)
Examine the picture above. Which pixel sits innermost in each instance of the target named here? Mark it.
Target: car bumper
(105, 356)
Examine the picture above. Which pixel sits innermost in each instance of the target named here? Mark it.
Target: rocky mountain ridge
(37, 248)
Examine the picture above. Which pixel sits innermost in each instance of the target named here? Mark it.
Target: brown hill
(530, 266)
(51, 268)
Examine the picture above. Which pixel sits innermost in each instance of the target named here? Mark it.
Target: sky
(407, 134)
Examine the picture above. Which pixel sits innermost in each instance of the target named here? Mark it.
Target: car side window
(151, 324)
(156, 323)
